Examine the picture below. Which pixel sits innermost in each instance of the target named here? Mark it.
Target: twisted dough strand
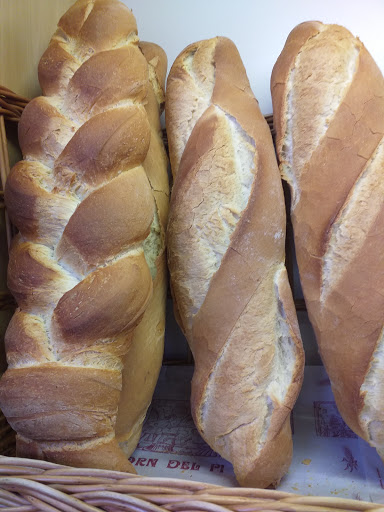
(86, 210)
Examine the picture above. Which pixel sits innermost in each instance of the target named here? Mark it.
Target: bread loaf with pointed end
(328, 103)
(226, 236)
(90, 202)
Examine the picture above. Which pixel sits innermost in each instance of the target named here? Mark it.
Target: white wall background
(259, 28)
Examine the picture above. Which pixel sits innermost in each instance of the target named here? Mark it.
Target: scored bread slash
(226, 240)
(328, 102)
(90, 201)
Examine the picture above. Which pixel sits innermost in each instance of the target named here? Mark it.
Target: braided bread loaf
(225, 238)
(328, 102)
(90, 202)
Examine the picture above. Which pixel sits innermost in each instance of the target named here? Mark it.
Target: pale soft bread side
(142, 363)
(90, 202)
(328, 102)
(225, 239)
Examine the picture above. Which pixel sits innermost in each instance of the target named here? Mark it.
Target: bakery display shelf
(30, 485)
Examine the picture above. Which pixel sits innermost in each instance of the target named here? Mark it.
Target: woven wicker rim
(11, 104)
(11, 108)
(30, 485)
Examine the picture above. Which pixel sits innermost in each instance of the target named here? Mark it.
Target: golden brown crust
(96, 154)
(26, 337)
(80, 456)
(63, 415)
(90, 202)
(157, 58)
(30, 203)
(196, 88)
(34, 278)
(105, 303)
(105, 79)
(142, 364)
(56, 67)
(143, 361)
(338, 247)
(98, 25)
(295, 41)
(42, 130)
(91, 237)
(230, 284)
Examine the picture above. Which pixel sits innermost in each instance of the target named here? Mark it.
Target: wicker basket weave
(31, 485)
(11, 107)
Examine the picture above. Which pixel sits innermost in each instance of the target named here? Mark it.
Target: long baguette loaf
(328, 102)
(89, 200)
(225, 239)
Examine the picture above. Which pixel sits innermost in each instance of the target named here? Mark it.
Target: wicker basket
(29, 485)
(11, 107)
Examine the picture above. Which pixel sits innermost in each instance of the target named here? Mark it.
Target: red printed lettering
(173, 464)
(195, 467)
(141, 461)
(152, 462)
(132, 459)
(217, 467)
(184, 465)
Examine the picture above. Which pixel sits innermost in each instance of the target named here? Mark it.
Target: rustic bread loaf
(142, 363)
(90, 202)
(225, 239)
(328, 102)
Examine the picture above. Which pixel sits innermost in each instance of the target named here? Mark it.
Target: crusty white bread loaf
(225, 239)
(90, 202)
(328, 102)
